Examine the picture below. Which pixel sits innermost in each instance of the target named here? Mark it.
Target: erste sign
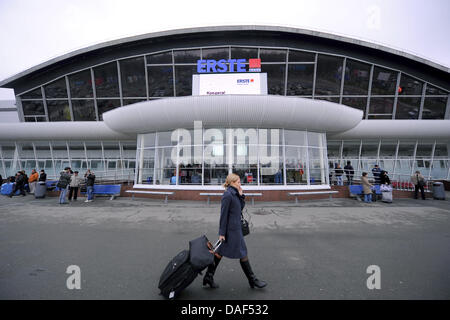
(230, 65)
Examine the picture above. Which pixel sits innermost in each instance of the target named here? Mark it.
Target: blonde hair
(232, 177)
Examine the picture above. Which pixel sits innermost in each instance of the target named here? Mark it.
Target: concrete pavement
(313, 250)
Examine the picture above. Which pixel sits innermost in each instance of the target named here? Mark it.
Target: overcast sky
(33, 31)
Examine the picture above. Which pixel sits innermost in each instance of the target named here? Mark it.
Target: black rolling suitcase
(186, 266)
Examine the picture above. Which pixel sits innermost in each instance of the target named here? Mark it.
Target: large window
(56, 89)
(244, 53)
(275, 77)
(160, 81)
(33, 108)
(407, 108)
(83, 110)
(381, 108)
(272, 55)
(58, 110)
(183, 80)
(300, 79)
(356, 81)
(132, 75)
(106, 80)
(434, 107)
(329, 75)
(410, 86)
(384, 81)
(81, 85)
(215, 54)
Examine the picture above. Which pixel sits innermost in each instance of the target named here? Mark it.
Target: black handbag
(244, 225)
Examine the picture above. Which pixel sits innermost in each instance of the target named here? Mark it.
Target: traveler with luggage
(230, 233)
(20, 185)
(33, 180)
(63, 185)
(367, 188)
(75, 181)
(90, 180)
(419, 183)
(349, 172)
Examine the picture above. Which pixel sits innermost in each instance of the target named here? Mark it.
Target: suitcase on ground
(40, 190)
(386, 196)
(180, 272)
(7, 188)
(177, 275)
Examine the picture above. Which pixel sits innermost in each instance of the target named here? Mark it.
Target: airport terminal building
(279, 106)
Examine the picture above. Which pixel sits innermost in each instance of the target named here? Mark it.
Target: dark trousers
(416, 191)
(16, 187)
(74, 191)
(350, 179)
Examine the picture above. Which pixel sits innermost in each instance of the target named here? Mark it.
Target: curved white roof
(229, 28)
(233, 111)
(64, 130)
(397, 129)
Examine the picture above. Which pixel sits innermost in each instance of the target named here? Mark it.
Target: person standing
(90, 180)
(339, 173)
(230, 233)
(419, 183)
(43, 176)
(349, 172)
(367, 188)
(33, 180)
(75, 181)
(63, 185)
(384, 178)
(19, 185)
(376, 171)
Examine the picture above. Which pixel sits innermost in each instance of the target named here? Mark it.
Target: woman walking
(230, 233)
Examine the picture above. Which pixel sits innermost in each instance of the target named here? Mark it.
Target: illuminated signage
(230, 65)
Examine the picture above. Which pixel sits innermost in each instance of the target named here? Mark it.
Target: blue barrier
(106, 189)
(358, 189)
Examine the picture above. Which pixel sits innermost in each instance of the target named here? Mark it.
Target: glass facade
(381, 92)
(109, 160)
(205, 157)
(264, 156)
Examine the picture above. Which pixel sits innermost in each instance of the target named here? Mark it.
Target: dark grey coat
(230, 225)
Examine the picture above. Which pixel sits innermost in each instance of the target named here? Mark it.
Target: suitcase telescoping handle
(216, 245)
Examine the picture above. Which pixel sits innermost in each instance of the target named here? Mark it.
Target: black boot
(252, 280)
(208, 279)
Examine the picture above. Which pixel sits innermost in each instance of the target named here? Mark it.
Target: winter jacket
(230, 225)
(75, 181)
(33, 177)
(367, 186)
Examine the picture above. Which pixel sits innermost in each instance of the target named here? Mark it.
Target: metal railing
(125, 176)
(400, 182)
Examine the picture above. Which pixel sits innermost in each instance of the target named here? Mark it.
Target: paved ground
(315, 250)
